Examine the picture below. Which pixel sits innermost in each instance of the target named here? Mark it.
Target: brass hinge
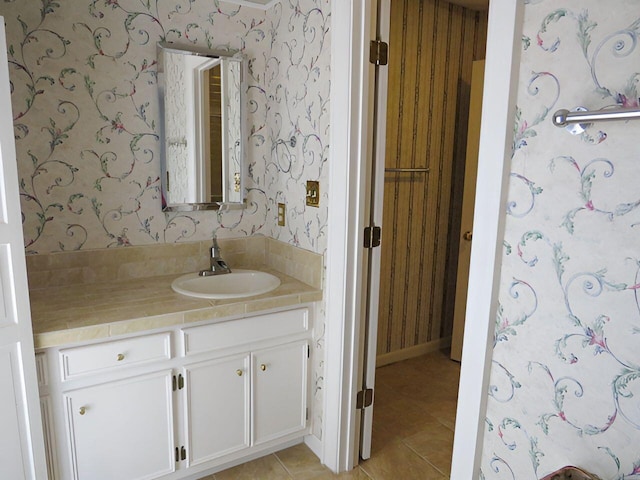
(364, 398)
(181, 453)
(308, 351)
(180, 382)
(174, 382)
(307, 414)
(378, 52)
(168, 189)
(372, 237)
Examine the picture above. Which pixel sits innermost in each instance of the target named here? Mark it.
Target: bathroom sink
(237, 284)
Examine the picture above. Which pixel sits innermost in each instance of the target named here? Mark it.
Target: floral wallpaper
(86, 119)
(565, 380)
(84, 95)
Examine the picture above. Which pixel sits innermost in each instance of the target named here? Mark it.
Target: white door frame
(349, 133)
(349, 159)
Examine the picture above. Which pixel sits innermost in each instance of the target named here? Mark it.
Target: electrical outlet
(313, 193)
(281, 214)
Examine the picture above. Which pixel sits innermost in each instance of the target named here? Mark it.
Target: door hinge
(180, 382)
(181, 453)
(308, 351)
(174, 382)
(364, 398)
(378, 52)
(372, 237)
(307, 414)
(168, 189)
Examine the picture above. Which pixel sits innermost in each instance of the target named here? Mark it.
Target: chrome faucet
(218, 265)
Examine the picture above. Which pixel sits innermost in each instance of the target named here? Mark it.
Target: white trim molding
(496, 135)
(347, 208)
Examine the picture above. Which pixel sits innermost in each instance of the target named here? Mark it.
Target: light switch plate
(313, 193)
(281, 214)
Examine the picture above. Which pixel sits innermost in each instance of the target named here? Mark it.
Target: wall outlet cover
(313, 193)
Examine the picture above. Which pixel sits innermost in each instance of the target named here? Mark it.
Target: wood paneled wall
(432, 46)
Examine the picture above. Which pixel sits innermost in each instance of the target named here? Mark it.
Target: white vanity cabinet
(250, 398)
(178, 403)
(122, 429)
(217, 408)
(279, 393)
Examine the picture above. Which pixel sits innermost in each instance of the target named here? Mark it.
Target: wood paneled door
(431, 50)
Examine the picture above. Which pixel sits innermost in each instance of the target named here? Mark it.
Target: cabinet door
(279, 394)
(217, 408)
(122, 430)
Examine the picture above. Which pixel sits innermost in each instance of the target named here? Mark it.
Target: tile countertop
(69, 314)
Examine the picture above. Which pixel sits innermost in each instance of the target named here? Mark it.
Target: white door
(21, 441)
(370, 330)
(122, 430)
(217, 407)
(279, 391)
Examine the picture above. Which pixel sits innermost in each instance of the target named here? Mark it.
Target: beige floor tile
(356, 474)
(414, 418)
(300, 462)
(265, 468)
(435, 446)
(397, 461)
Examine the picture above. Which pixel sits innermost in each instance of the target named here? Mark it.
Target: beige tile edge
(144, 324)
(61, 337)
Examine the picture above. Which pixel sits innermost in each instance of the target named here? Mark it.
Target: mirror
(202, 99)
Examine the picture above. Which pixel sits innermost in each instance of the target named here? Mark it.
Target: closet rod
(563, 117)
(407, 170)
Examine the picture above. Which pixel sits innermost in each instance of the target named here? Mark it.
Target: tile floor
(414, 417)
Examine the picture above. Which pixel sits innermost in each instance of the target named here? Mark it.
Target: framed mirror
(202, 100)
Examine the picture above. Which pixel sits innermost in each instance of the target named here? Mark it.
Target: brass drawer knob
(82, 411)
(467, 236)
(263, 367)
(120, 357)
(239, 372)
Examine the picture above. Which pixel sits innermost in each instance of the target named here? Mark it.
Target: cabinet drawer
(245, 330)
(79, 361)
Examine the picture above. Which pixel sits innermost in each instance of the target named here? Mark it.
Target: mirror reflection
(202, 98)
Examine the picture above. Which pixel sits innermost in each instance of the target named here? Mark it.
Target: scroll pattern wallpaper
(87, 124)
(565, 383)
(85, 105)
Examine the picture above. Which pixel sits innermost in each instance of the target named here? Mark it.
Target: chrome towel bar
(407, 170)
(563, 117)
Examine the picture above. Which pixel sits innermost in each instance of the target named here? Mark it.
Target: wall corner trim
(498, 113)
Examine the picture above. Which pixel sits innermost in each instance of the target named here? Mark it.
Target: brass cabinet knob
(263, 367)
(467, 236)
(82, 411)
(120, 357)
(239, 372)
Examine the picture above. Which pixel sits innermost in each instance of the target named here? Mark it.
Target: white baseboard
(412, 352)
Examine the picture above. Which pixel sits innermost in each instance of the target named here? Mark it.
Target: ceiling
(473, 4)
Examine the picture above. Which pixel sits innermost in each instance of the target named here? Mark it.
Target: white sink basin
(237, 284)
